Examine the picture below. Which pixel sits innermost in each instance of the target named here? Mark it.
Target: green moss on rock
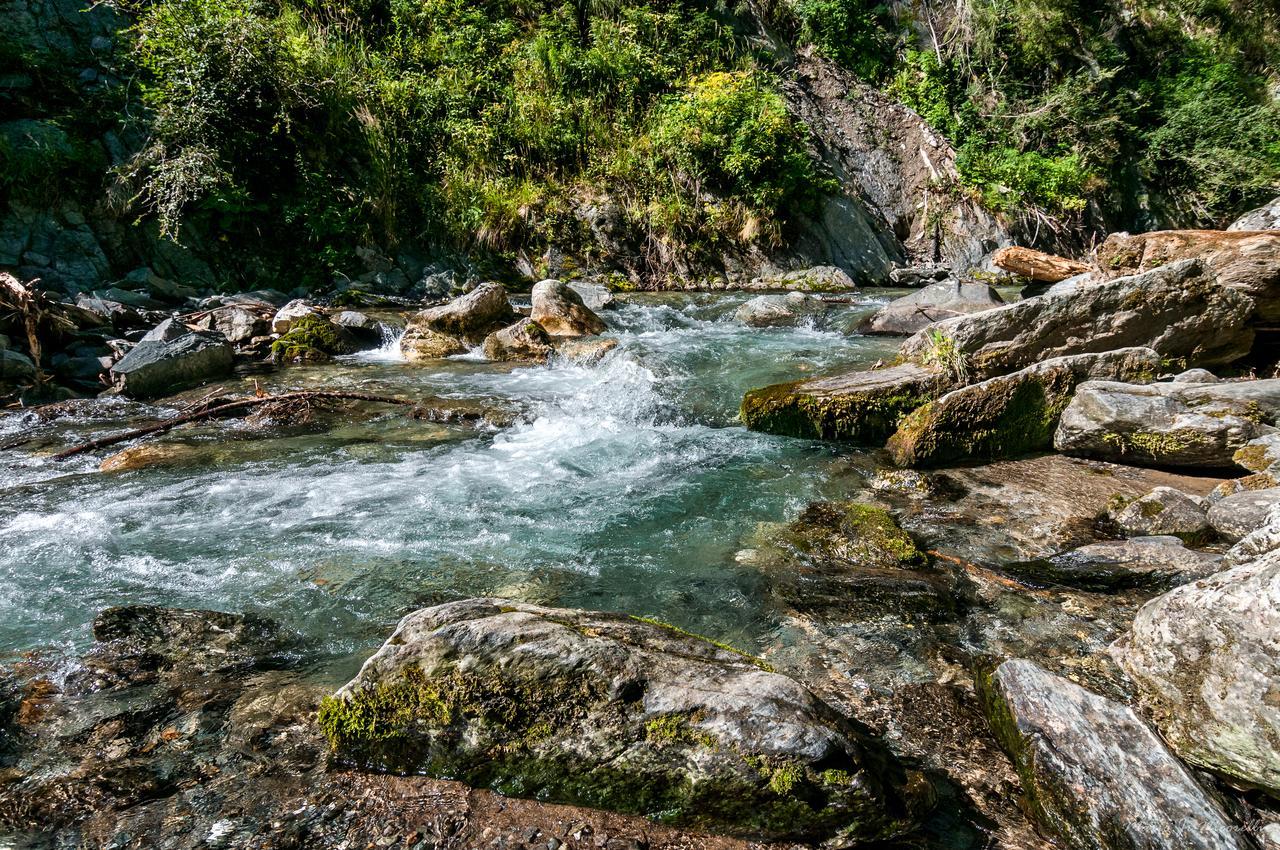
(311, 339)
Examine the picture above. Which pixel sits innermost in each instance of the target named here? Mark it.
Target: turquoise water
(626, 485)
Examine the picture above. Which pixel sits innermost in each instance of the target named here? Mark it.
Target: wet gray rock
(1167, 424)
(1095, 775)
(159, 367)
(237, 323)
(561, 312)
(776, 311)
(937, 301)
(1007, 415)
(1205, 661)
(1265, 217)
(525, 340)
(1165, 511)
(920, 275)
(454, 327)
(1178, 310)
(616, 713)
(1239, 515)
(16, 366)
(595, 296)
(1157, 562)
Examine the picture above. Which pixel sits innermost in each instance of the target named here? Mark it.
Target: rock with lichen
(1011, 414)
(863, 407)
(1241, 514)
(1093, 774)
(1205, 661)
(617, 713)
(1167, 424)
(312, 338)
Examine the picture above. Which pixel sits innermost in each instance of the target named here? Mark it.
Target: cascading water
(622, 485)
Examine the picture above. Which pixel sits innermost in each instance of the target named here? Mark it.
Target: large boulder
(560, 311)
(1247, 261)
(769, 311)
(935, 302)
(284, 318)
(618, 713)
(1167, 424)
(1205, 659)
(237, 322)
(1265, 217)
(313, 339)
(454, 327)
(16, 366)
(1178, 310)
(864, 407)
(1094, 774)
(1139, 562)
(595, 296)
(523, 341)
(157, 366)
(1010, 414)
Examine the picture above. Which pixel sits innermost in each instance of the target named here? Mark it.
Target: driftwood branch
(1037, 265)
(231, 407)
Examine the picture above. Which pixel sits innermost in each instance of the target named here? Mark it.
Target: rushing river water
(625, 485)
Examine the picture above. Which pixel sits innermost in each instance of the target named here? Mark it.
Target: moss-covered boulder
(863, 407)
(618, 713)
(312, 338)
(1009, 415)
(1093, 774)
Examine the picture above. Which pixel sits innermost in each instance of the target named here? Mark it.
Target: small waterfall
(389, 351)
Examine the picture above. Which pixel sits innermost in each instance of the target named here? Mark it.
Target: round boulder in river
(560, 311)
(618, 713)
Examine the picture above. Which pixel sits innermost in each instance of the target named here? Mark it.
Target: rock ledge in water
(617, 713)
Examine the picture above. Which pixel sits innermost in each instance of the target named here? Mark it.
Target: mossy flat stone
(862, 407)
(617, 713)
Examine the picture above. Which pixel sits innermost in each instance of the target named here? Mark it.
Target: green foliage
(854, 33)
(478, 126)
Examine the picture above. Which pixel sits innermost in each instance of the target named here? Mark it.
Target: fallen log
(237, 406)
(1037, 265)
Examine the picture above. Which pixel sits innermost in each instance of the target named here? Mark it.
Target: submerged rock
(937, 301)
(864, 407)
(1008, 415)
(454, 327)
(775, 311)
(1094, 774)
(1205, 660)
(1165, 511)
(1243, 260)
(560, 311)
(1140, 562)
(157, 367)
(617, 713)
(1167, 424)
(853, 561)
(1178, 310)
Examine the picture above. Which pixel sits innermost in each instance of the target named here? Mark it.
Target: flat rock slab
(617, 713)
(1140, 562)
(1167, 424)
(1205, 659)
(863, 407)
(1094, 774)
(1008, 415)
(1241, 514)
(935, 302)
(1179, 310)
